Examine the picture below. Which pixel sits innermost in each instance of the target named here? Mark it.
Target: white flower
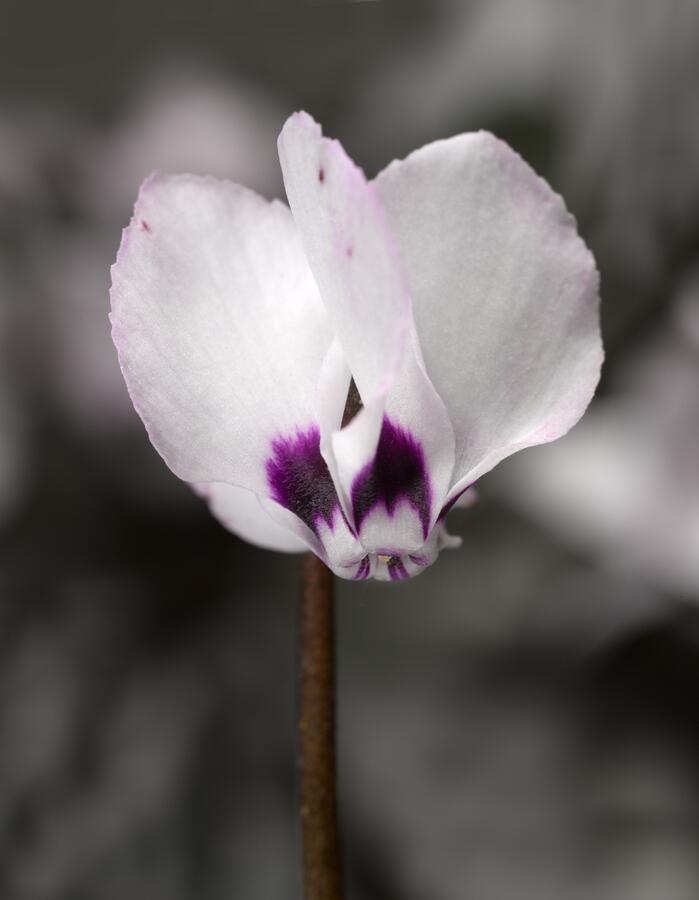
(453, 291)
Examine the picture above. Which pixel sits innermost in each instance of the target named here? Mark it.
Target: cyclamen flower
(336, 375)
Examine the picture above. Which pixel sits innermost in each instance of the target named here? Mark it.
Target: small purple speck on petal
(144, 225)
(321, 174)
(397, 472)
(299, 478)
(349, 251)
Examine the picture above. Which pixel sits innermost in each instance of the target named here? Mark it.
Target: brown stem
(316, 734)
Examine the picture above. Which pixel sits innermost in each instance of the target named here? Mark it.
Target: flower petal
(359, 272)
(242, 512)
(219, 326)
(350, 250)
(392, 463)
(505, 295)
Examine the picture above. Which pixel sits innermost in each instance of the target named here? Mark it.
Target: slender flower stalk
(322, 878)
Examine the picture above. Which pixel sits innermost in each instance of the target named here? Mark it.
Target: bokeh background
(519, 722)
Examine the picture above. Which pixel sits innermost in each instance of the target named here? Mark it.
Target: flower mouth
(390, 566)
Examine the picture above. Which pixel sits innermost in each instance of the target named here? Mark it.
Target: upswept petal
(504, 293)
(219, 326)
(350, 250)
(242, 512)
(359, 272)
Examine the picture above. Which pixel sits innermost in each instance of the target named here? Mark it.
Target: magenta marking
(144, 225)
(363, 570)
(396, 569)
(321, 174)
(397, 472)
(418, 559)
(300, 480)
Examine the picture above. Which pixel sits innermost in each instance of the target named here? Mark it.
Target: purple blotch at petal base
(397, 472)
(300, 480)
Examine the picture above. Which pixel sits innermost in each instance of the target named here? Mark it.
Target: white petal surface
(218, 324)
(241, 512)
(350, 250)
(504, 292)
(359, 272)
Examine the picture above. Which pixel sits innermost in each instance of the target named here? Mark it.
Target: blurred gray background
(520, 721)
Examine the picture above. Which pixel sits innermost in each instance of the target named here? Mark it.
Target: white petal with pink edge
(218, 324)
(504, 292)
(350, 250)
(359, 271)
